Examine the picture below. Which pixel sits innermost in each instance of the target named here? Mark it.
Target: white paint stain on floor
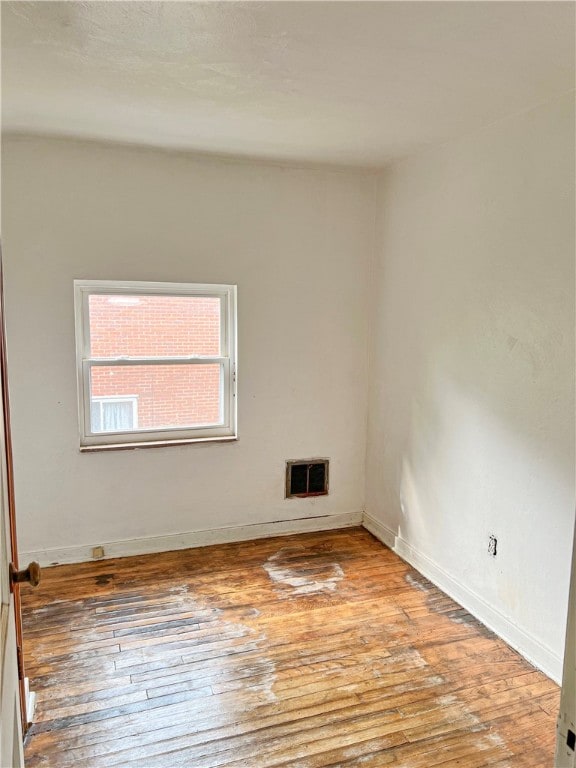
(418, 583)
(304, 572)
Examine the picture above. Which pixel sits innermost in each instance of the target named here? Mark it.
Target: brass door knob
(30, 574)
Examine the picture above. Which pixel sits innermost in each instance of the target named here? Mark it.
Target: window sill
(155, 444)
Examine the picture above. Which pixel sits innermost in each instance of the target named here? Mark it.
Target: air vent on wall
(306, 477)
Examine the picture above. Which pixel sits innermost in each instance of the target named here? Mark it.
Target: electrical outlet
(492, 546)
(97, 553)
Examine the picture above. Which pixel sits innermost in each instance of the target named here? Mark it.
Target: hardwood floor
(306, 651)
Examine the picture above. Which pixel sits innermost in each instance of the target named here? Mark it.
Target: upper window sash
(85, 289)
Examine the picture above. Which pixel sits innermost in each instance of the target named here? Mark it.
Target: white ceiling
(351, 83)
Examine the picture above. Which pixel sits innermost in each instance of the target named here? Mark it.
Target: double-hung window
(156, 363)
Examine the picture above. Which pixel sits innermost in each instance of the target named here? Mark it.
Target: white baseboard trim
(29, 701)
(376, 528)
(527, 645)
(191, 539)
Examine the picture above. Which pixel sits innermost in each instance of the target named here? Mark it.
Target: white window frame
(224, 430)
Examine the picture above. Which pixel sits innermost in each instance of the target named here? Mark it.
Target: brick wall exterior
(168, 395)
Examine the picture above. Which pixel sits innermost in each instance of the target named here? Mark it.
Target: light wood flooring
(307, 651)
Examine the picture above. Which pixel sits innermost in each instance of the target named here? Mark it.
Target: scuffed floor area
(307, 651)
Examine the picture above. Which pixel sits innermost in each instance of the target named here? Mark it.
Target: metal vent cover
(306, 477)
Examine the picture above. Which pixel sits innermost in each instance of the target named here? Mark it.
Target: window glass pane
(95, 416)
(154, 326)
(168, 396)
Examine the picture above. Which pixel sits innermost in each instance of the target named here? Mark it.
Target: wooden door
(15, 703)
(566, 733)
(12, 686)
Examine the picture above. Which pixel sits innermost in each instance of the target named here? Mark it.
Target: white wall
(297, 243)
(471, 428)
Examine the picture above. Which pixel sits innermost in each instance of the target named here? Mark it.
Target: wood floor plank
(314, 651)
